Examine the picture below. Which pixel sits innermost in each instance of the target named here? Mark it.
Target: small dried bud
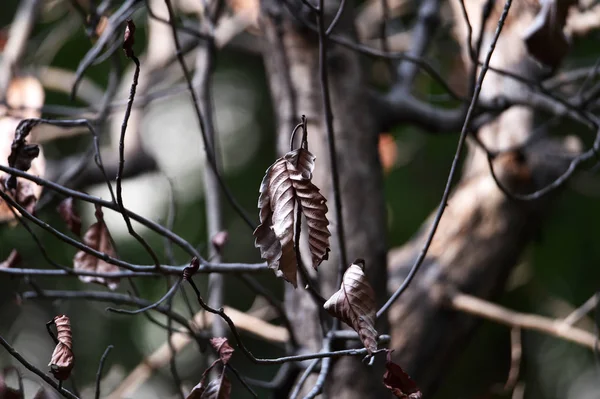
(189, 271)
(129, 38)
(62, 359)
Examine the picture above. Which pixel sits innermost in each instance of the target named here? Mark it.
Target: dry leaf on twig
(24, 98)
(62, 359)
(13, 259)
(219, 388)
(400, 383)
(354, 304)
(224, 350)
(97, 237)
(287, 183)
(68, 212)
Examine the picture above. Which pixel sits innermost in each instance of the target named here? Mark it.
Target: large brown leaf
(97, 237)
(287, 183)
(400, 383)
(354, 304)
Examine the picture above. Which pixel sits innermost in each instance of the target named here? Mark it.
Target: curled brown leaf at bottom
(397, 381)
(62, 360)
(223, 348)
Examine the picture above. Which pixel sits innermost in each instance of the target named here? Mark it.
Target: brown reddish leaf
(61, 362)
(400, 383)
(545, 39)
(287, 183)
(68, 212)
(219, 388)
(13, 259)
(7, 392)
(97, 237)
(219, 240)
(388, 151)
(354, 304)
(223, 348)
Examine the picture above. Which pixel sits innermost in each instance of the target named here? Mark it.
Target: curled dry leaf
(68, 212)
(25, 96)
(189, 271)
(354, 304)
(224, 350)
(400, 383)
(286, 184)
(62, 359)
(13, 259)
(219, 388)
(97, 237)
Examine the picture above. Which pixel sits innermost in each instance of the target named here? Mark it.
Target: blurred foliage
(562, 262)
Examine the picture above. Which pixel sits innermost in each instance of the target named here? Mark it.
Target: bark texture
(482, 233)
(292, 62)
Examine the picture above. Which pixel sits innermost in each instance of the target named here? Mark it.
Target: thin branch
(99, 372)
(309, 370)
(170, 293)
(582, 311)
(555, 327)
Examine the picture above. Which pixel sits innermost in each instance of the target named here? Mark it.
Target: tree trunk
(482, 233)
(292, 62)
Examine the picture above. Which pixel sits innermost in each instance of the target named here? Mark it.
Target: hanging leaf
(62, 359)
(287, 183)
(312, 204)
(224, 350)
(397, 381)
(13, 259)
(354, 304)
(97, 237)
(67, 211)
(24, 98)
(219, 388)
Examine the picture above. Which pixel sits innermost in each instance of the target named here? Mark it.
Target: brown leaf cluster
(397, 381)
(354, 304)
(98, 238)
(219, 388)
(61, 362)
(287, 184)
(24, 97)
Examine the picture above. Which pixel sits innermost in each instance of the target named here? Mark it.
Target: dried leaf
(13, 259)
(544, 38)
(354, 304)
(67, 211)
(129, 38)
(312, 204)
(400, 383)
(223, 348)
(97, 237)
(24, 98)
(62, 359)
(287, 183)
(7, 392)
(219, 388)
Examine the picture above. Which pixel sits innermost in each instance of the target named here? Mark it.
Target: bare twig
(99, 372)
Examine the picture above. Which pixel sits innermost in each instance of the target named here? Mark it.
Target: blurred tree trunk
(482, 233)
(292, 62)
